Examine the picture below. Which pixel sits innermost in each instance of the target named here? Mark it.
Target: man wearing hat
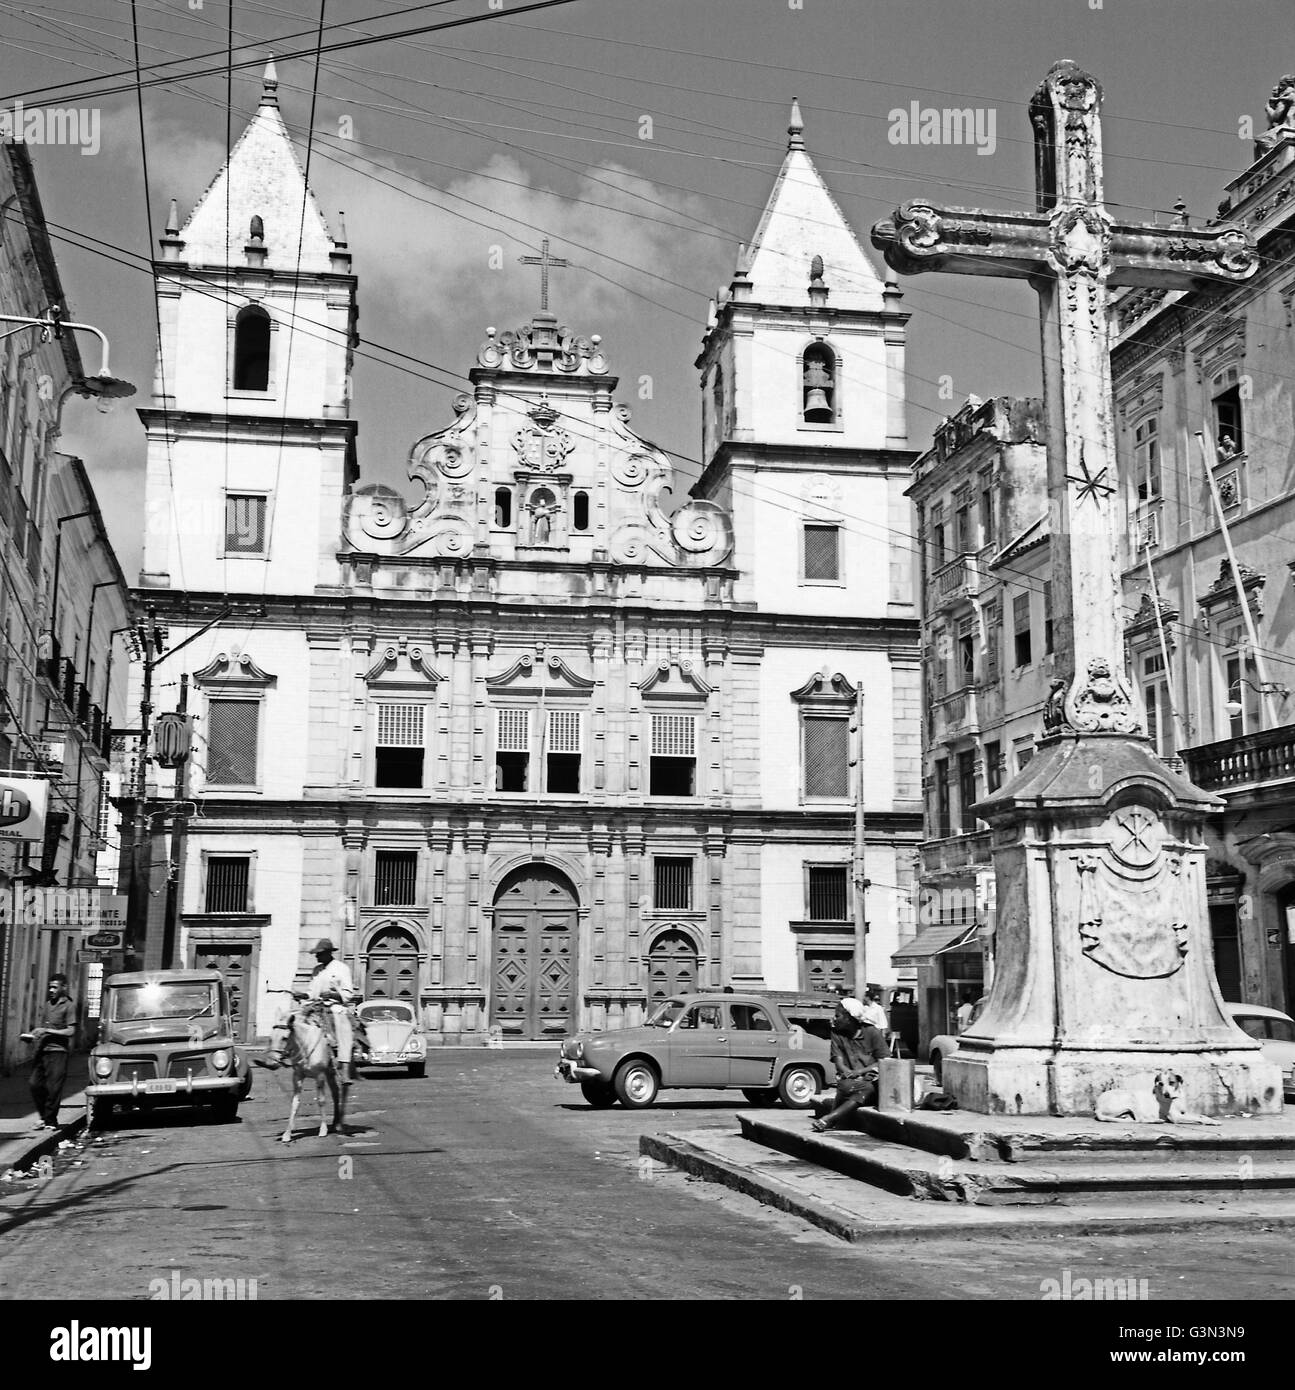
(331, 982)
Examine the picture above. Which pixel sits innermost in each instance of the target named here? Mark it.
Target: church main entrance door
(534, 970)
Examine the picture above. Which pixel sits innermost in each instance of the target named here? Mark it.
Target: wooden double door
(536, 924)
(234, 961)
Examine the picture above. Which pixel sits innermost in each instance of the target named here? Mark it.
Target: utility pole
(179, 830)
(859, 869)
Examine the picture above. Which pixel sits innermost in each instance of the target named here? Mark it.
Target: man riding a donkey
(321, 1034)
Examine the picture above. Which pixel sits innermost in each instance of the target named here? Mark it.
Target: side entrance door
(392, 971)
(534, 967)
(234, 961)
(672, 966)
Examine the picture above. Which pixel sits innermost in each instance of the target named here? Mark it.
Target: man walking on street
(53, 1039)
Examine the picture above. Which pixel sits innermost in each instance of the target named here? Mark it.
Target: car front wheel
(797, 1087)
(636, 1085)
(418, 1068)
(937, 1067)
(599, 1094)
(100, 1114)
(760, 1095)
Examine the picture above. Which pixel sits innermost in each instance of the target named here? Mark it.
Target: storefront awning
(933, 941)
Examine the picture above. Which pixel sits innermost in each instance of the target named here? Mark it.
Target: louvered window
(823, 553)
(395, 878)
(672, 885)
(232, 730)
(673, 764)
(828, 901)
(399, 751)
(512, 749)
(562, 752)
(227, 879)
(826, 757)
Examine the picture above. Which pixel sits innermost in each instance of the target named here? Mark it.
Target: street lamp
(1234, 706)
(103, 385)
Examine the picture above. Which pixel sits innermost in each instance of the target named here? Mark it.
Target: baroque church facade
(532, 750)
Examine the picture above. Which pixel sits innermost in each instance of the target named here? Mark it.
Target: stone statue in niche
(544, 511)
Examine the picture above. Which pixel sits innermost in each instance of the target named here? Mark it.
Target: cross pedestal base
(1104, 971)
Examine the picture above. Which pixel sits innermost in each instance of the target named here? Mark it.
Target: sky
(641, 137)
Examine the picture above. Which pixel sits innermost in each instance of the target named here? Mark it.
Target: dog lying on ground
(1163, 1106)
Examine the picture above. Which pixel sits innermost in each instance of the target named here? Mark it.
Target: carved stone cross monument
(1103, 965)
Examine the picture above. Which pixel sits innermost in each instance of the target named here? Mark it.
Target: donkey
(311, 1054)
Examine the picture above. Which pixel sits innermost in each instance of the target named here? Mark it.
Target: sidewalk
(20, 1141)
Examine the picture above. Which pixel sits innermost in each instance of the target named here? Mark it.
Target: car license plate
(161, 1088)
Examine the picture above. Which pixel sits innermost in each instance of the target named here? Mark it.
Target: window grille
(244, 524)
(395, 878)
(827, 768)
(564, 731)
(400, 726)
(227, 883)
(674, 736)
(828, 896)
(513, 731)
(822, 552)
(672, 885)
(232, 728)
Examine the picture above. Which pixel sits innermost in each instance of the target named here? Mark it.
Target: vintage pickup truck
(771, 1047)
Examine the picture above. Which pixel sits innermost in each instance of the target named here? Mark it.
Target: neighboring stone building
(982, 516)
(1221, 360)
(62, 602)
(532, 749)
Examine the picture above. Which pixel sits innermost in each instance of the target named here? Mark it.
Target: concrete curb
(951, 1219)
(25, 1149)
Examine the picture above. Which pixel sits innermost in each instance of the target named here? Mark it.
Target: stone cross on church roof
(545, 263)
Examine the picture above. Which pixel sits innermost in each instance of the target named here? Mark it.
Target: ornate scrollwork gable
(400, 661)
(675, 677)
(821, 688)
(235, 668)
(532, 673)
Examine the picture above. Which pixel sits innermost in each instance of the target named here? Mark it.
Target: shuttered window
(822, 553)
(514, 731)
(672, 884)
(826, 742)
(562, 752)
(227, 879)
(395, 878)
(512, 750)
(232, 730)
(827, 893)
(673, 763)
(399, 751)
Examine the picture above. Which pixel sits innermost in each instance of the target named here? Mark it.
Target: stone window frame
(271, 380)
(222, 553)
(249, 909)
(235, 676)
(822, 697)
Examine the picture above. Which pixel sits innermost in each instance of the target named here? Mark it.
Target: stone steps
(958, 1162)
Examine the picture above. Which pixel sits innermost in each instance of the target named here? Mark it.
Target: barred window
(822, 553)
(395, 878)
(512, 749)
(672, 884)
(828, 893)
(562, 752)
(826, 750)
(245, 524)
(227, 880)
(232, 731)
(673, 762)
(399, 753)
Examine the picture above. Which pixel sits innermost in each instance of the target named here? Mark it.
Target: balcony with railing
(1251, 762)
(957, 852)
(955, 581)
(957, 713)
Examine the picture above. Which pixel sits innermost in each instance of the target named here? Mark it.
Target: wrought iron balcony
(957, 852)
(1254, 760)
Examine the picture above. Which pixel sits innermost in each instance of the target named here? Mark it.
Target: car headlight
(220, 1058)
(103, 1066)
(414, 1045)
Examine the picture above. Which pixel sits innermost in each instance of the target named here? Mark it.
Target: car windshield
(664, 1014)
(387, 1013)
(1281, 1029)
(160, 999)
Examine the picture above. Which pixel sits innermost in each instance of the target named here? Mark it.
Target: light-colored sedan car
(946, 1044)
(1275, 1033)
(395, 1035)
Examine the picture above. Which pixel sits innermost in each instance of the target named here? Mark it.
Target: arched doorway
(534, 965)
(672, 965)
(392, 965)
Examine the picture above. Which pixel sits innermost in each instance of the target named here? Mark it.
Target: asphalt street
(491, 1179)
